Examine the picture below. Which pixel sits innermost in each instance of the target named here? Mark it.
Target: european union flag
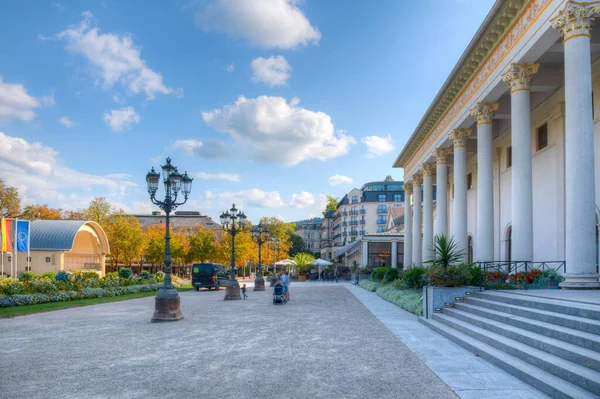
(23, 235)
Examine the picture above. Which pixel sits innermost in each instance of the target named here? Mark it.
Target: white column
(365, 254)
(459, 138)
(484, 246)
(441, 182)
(417, 229)
(427, 170)
(407, 187)
(580, 247)
(394, 254)
(519, 78)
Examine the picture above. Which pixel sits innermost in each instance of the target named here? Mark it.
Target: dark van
(208, 275)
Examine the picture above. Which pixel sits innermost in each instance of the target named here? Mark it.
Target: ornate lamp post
(166, 305)
(274, 244)
(233, 221)
(260, 235)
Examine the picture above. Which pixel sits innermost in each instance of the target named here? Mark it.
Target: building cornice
(503, 15)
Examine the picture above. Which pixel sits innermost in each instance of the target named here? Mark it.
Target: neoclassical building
(511, 140)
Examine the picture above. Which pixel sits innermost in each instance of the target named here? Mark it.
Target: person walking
(285, 280)
(244, 291)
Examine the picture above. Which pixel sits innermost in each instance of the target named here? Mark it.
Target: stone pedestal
(232, 292)
(167, 309)
(259, 284)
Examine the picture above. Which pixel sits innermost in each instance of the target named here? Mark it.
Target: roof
(346, 248)
(502, 16)
(177, 221)
(390, 233)
(58, 235)
(397, 214)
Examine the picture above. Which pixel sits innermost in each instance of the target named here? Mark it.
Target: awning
(346, 248)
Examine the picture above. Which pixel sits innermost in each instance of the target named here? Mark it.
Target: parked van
(208, 275)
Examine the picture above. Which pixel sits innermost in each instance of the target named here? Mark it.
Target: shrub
(125, 272)
(476, 274)
(145, 275)
(62, 276)
(11, 286)
(28, 276)
(410, 301)
(85, 274)
(50, 275)
(369, 285)
(450, 276)
(447, 251)
(378, 274)
(391, 274)
(415, 277)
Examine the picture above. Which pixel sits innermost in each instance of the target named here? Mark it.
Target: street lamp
(233, 221)
(260, 235)
(167, 304)
(274, 245)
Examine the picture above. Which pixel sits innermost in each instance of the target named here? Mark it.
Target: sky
(271, 104)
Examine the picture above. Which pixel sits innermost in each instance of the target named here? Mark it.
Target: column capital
(441, 155)
(576, 19)
(459, 137)
(427, 169)
(417, 180)
(484, 112)
(520, 76)
(407, 187)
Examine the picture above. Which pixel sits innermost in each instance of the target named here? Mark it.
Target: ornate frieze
(484, 112)
(417, 180)
(490, 54)
(407, 187)
(428, 168)
(576, 19)
(520, 76)
(459, 137)
(441, 155)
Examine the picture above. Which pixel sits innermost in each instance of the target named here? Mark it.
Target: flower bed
(369, 285)
(408, 300)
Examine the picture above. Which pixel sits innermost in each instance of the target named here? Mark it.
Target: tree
(99, 210)
(126, 237)
(277, 230)
(10, 202)
(41, 212)
(155, 244)
(203, 246)
(75, 215)
(331, 205)
(297, 245)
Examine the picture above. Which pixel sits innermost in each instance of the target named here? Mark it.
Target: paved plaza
(322, 344)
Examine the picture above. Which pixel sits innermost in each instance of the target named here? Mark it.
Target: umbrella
(285, 262)
(321, 263)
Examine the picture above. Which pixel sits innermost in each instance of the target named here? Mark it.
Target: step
(576, 354)
(574, 322)
(565, 334)
(537, 378)
(585, 310)
(582, 376)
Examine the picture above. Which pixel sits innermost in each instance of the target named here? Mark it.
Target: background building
(179, 220)
(310, 231)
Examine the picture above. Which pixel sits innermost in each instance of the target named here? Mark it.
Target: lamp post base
(167, 309)
(259, 284)
(232, 292)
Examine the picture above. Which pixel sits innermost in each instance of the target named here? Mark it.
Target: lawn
(48, 307)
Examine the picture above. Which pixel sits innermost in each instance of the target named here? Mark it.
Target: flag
(22, 235)
(6, 235)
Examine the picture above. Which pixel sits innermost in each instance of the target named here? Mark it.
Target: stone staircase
(553, 345)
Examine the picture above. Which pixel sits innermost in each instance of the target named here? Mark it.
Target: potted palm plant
(303, 264)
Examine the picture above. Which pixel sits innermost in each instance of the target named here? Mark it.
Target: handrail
(510, 270)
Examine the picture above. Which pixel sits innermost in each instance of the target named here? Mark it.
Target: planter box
(301, 278)
(437, 297)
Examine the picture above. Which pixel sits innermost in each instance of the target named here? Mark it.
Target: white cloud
(377, 146)
(16, 103)
(67, 122)
(339, 179)
(322, 202)
(119, 100)
(40, 176)
(121, 119)
(302, 200)
(204, 149)
(114, 58)
(254, 198)
(274, 71)
(262, 23)
(48, 100)
(233, 177)
(278, 131)
(229, 67)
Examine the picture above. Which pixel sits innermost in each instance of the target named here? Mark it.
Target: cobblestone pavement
(323, 344)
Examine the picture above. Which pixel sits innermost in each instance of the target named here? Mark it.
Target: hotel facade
(511, 139)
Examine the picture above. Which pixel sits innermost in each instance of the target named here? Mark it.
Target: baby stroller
(278, 294)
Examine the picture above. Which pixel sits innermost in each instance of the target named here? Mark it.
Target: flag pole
(28, 243)
(15, 243)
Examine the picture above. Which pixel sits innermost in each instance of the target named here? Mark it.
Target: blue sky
(269, 103)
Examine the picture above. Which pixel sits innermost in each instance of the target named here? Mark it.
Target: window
(397, 198)
(381, 219)
(381, 197)
(508, 157)
(379, 254)
(394, 187)
(381, 208)
(542, 136)
(470, 250)
(354, 199)
(469, 181)
(380, 229)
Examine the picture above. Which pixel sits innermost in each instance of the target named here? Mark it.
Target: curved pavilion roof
(59, 235)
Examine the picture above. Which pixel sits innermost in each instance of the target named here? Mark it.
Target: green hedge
(369, 285)
(63, 296)
(409, 300)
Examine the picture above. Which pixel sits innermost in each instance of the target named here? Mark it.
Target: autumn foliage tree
(10, 202)
(41, 212)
